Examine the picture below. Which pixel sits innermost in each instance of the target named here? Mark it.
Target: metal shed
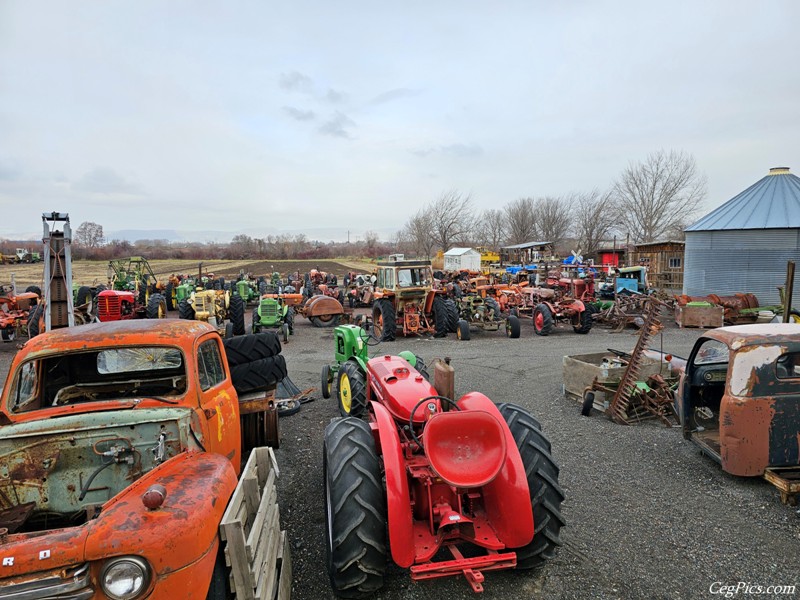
(457, 259)
(743, 245)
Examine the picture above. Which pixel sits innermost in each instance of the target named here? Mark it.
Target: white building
(457, 259)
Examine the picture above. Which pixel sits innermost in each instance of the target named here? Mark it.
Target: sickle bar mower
(463, 487)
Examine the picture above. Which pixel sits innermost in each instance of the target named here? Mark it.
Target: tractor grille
(269, 309)
(108, 307)
(71, 583)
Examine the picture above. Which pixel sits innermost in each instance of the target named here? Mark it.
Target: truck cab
(120, 445)
(739, 397)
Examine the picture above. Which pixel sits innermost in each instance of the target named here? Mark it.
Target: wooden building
(664, 261)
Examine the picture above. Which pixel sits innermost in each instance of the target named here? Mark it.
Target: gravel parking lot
(647, 515)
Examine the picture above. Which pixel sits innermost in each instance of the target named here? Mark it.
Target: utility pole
(348, 236)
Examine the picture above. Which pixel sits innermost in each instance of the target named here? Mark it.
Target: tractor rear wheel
(84, 295)
(256, 322)
(290, 319)
(439, 309)
(185, 310)
(326, 381)
(463, 330)
(247, 348)
(258, 374)
(512, 327)
(355, 509)
(582, 321)
(452, 315)
(351, 390)
(545, 492)
(236, 314)
(542, 320)
(384, 320)
(156, 307)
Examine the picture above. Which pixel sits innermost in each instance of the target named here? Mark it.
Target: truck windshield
(418, 277)
(111, 374)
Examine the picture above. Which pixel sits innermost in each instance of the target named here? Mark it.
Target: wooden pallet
(256, 550)
(787, 480)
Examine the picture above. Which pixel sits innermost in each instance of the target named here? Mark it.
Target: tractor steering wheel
(417, 405)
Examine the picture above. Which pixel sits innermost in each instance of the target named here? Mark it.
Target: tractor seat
(466, 448)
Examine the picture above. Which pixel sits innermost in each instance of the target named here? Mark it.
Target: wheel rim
(538, 321)
(345, 398)
(325, 318)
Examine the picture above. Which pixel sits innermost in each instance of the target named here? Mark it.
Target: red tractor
(565, 299)
(466, 478)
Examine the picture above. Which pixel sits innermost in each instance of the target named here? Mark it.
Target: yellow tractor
(215, 307)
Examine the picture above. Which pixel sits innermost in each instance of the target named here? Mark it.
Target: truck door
(218, 401)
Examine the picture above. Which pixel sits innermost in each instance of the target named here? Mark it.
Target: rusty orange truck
(121, 458)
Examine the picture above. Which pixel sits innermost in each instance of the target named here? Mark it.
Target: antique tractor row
(409, 473)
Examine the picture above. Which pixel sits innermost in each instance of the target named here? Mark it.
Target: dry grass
(96, 271)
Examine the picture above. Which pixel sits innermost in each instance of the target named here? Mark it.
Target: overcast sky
(241, 115)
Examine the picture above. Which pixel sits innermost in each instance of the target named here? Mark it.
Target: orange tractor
(406, 301)
(14, 311)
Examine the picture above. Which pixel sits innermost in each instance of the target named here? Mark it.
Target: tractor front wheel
(325, 320)
(355, 509)
(384, 320)
(351, 390)
(512, 326)
(545, 492)
(256, 323)
(582, 321)
(542, 320)
(463, 330)
(439, 309)
(326, 381)
(452, 315)
(156, 307)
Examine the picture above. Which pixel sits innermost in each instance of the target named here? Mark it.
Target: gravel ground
(647, 515)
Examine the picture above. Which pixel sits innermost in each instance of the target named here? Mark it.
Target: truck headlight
(125, 578)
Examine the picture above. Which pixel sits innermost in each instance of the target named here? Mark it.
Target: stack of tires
(255, 361)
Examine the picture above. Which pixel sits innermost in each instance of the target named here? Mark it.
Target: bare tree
(491, 227)
(451, 218)
(657, 194)
(371, 240)
(89, 235)
(553, 219)
(596, 215)
(520, 221)
(418, 232)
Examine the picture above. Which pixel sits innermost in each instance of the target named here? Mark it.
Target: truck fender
(506, 498)
(178, 533)
(398, 501)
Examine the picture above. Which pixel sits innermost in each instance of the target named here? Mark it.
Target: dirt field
(92, 272)
(647, 515)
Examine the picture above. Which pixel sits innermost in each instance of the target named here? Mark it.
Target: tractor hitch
(469, 567)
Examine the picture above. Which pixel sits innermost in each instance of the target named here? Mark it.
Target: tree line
(650, 200)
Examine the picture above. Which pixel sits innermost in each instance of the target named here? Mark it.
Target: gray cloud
(333, 96)
(295, 81)
(395, 94)
(103, 180)
(458, 150)
(335, 126)
(298, 114)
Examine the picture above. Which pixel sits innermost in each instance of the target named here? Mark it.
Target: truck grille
(71, 583)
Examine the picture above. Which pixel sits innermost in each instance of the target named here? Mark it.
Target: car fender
(323, 305)
(198, 485)
(398, 502)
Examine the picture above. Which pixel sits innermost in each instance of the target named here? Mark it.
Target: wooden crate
(699, 316)
(256, 550)
(580, 371)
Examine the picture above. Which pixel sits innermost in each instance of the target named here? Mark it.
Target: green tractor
(348, 372)
(248, 290)
(273, 312)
